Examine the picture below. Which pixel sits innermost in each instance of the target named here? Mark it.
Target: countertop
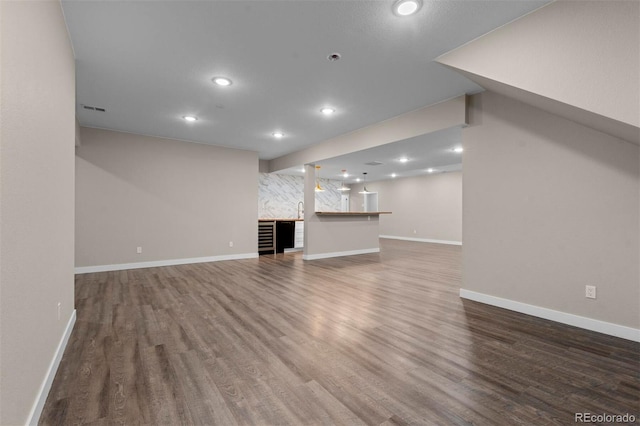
(351, 213)
(284, 219)
(278, 219)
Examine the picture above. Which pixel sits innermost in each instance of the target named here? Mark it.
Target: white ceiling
(149, 63)
(430, 151)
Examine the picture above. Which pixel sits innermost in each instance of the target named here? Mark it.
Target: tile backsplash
(278, 195)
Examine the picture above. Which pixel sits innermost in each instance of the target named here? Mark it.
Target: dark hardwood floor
(380, 339)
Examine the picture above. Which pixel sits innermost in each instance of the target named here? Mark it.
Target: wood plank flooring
(379, 339)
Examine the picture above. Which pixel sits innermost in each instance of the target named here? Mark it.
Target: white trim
(292, 250)
(339, 254)
(611, 329)
(421, 240)
(45, 387)
(156, 263)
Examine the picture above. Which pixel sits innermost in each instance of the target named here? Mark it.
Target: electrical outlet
(230, 243)
(59, 309)
(139, 250)
(590, 291)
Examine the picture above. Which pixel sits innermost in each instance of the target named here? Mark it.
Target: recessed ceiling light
(357, 179)
(278, 135)
(406, 7)
(430, 170)
(403, 159)
(345, 174)
(221, 81)
(190, 118)
(334, 57)
(457, 149)
(327, 110)
(393, 175)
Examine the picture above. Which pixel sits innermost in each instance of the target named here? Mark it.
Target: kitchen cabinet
(298, 240)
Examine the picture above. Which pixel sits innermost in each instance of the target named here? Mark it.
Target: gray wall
(329, 236)
(430, 204)
(174, 199)
(37, 140)
(584, 65)
(550, 206)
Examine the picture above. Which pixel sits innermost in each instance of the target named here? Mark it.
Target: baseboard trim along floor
(156, 263)
(339, 253)
(38, 405)
(421, 240)
(591, 324)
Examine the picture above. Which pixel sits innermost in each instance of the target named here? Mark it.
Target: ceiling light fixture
(457, 149)
(334, 57)
(344, 187)
(221, 81)
(190, 118)
(403, 159)
(393, 175)
(364, 184)
(278, 135)
(318, 187)
(430, 170)
(327, 111)
(406, 7)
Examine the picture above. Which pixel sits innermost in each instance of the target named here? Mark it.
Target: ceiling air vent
(93, 108)
(374, 163)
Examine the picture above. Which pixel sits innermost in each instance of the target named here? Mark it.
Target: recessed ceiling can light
(334, 57)
(190, 118)
(406, 7)
(403, 159)
(278, 135)
(221, 81)
(393, 175)
(327, 110)
(457, 149)
(430, 170)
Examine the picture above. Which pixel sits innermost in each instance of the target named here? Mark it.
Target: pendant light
(364, 183)
(344, 188)
(318, 187)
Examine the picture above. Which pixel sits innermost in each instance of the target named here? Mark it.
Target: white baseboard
(156, 263)
(421, 240)
(611, 329)
(339, 254)
(293, 250)
(38, 405)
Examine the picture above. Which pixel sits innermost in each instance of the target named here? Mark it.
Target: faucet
(300, 211)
